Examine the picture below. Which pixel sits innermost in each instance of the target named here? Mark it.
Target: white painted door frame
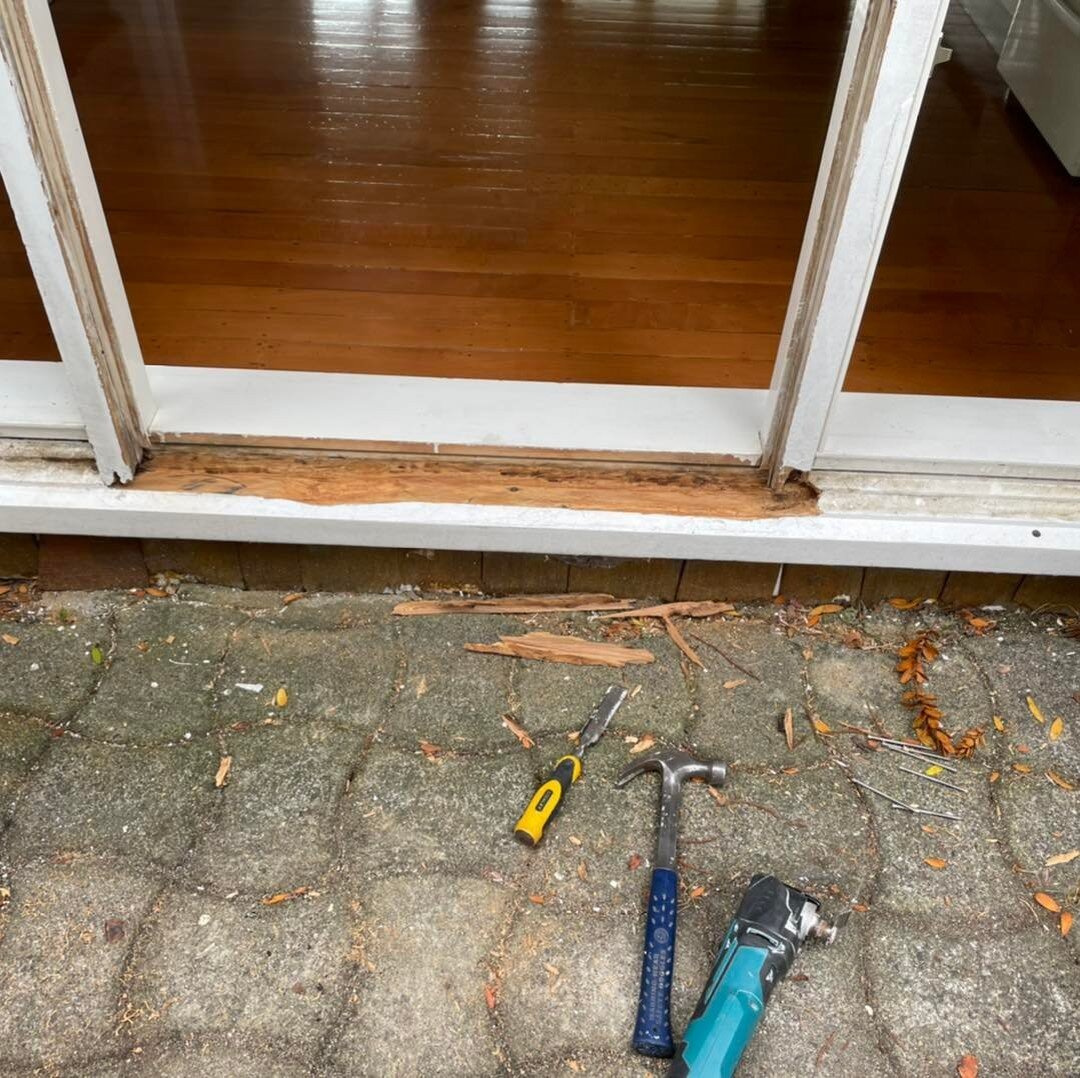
(119, 404)
(55, 200)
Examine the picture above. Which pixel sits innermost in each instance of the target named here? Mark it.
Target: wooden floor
(602, 191)
(978, 288)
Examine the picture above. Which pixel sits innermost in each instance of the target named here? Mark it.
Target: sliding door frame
(801, 423)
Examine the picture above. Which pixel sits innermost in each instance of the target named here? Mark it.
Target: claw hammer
(652, 1032)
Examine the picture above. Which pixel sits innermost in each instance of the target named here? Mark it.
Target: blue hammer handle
(652, 1034)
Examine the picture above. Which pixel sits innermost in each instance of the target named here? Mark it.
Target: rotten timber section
(46, 170)
(970, 523)
(890, 54)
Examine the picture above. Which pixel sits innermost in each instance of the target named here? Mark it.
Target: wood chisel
(547, 799)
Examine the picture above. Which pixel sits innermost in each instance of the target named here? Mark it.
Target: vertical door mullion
(890, 54)
(46, 170)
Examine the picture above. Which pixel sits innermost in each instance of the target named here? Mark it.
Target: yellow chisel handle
(546, 801)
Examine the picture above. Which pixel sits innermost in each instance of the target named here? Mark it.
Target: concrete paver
(411, 935)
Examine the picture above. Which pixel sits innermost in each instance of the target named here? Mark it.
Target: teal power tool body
(770, 927)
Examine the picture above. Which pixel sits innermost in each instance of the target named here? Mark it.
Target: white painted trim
(36, 402)
(445, 413)
(890, 55)
(953, 435)
(46, 169)
(974, 524)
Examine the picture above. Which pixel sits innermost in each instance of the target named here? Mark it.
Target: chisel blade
(601, 716)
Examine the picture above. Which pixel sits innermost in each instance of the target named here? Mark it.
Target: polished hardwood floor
(605, 191)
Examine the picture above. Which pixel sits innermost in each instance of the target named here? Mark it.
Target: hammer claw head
(675, 765)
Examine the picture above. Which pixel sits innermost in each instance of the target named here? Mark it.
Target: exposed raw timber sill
(919, 522)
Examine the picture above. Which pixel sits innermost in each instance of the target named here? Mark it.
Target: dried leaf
(634, 862)
(1066, 922)
(514, 604)
(1047, 902)
(905, 604)
(546, 647)
(789, 729)
(537, 900)
(1057, 780)
(1057, 727)
(718, 796)
(292, 597)
(284, 896)
(490, 996)
(576, 1066)
(1036, 714)
(518, 731)
(582, 871)
(999, 724)
(968, 1067)
(574, 840)
(821, 727)
(734, 684)
(995, 775)
(1024, 769)
(815, 615)
(1062, 858)
(9, 639)
(936, 863)
(222, 775)
(157, 593)
(978, 626)
(643, 744)
(281, 697)
(115, 930)
(969, 741)
(696, 893)
(680, 642)
(97, 656)
(430, 750)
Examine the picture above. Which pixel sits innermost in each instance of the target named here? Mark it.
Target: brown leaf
(995, 775)
(905, 604)
(1047, 902)
(969, 741)
(1036, 712)
(537, 900)
(1024, 769)
(574, 840)
(1062, 858)
(281, 697)
(222, 775)
(815, 615)
(968, 1067)
(9, 639)
(1066, 922)
(789, 729)
(1057, 780)
(635, 862)
(546, 647)
(157, 593)
(283, 896)
(582, 871)
(643, 744)
(114, 930)
(999, 724)
(680, 642)
(490, 996)
(789, 770)
(430, 750)
(696, 893)
(292, 597)
(821, 727)
(513, 604)
(518, 731)
(1056, 728)
(718, 796)
(978, 626)
(576, 1066)
(734, 684)
(935, 862)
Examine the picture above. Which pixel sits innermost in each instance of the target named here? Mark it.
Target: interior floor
(597, 191)
(978, 289)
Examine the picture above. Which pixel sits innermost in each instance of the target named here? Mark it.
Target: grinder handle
(652, 1033)
(546, 801)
